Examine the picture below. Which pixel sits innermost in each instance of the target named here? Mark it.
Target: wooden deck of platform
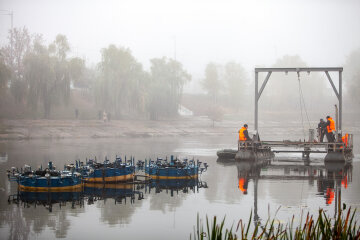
(334, 150)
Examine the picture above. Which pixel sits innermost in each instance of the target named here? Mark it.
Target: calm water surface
(157, 212)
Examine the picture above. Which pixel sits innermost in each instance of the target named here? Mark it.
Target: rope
(300, 99)
(302, 104)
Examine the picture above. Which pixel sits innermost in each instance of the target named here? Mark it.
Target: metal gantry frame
(258, 92)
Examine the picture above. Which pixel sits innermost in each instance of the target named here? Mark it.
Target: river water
(284, 187)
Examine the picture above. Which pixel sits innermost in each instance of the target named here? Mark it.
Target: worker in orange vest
(330, 126)
(243, 134)
(345, 139)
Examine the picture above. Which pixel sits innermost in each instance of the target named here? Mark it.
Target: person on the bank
(322, 130)
(105, 116)
(244, 134)
(330, 126)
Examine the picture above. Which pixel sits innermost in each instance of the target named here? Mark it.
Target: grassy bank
(322, 227)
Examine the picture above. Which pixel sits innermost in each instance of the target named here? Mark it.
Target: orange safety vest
(329, 195)
(344, 181)
(331, 127)
(345, 139)
(242, 135)
(241, 185)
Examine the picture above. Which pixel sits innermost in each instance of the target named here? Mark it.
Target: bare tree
(235, 77)
(120, 86)
(167, 80)
(5, 75)
(212, 83)
(13, 55)
(47, 75)
(352, 77)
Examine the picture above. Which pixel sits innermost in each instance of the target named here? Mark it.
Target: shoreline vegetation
(39, 80)
(344, 226)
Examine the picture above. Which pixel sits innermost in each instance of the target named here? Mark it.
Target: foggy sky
(253, 33)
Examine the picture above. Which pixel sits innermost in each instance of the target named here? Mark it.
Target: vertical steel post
(256, 180)
(340, 103)
(12, 30)
(256, 102)
(337, 122)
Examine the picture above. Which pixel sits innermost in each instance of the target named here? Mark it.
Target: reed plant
(344, 226)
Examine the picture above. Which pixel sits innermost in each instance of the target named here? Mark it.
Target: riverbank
(21, 129)
(43, 129)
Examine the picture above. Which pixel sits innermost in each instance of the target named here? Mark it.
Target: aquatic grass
(344, 226)
(214, 232)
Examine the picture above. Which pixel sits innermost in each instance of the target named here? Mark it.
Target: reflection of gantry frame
(298, 70)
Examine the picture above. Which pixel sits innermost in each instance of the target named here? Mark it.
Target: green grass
(323, 227)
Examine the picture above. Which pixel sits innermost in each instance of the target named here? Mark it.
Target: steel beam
(264, 84)
(340, 103)
(256, 102)
(304, 69)
(332, 84)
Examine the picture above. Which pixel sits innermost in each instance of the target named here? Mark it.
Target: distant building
(183, 111)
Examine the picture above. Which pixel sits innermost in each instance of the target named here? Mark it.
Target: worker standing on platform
(345, 139)
(330, 126)
(322, 129)
(243, 134)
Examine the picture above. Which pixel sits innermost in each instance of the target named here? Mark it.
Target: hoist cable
(300, 99)
(302, 105)
(303, 101)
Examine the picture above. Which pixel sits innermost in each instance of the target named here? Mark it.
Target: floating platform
(337, 151)
(53, 183)
(253, 152)
(262, 150)
(107, 172)
(173, 169)
(226, 153)
(244, 154)
(47, 180)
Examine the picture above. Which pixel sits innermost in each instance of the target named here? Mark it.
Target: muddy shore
(42, 129)
(192, 126)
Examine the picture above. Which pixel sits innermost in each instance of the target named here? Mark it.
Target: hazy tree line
(318, 96)
(352, 76)
(229, 86)
(41, 76)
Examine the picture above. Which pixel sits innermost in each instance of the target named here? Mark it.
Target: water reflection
(115, 201)
(168, 195)
(169, 209)
(171, 186)
(119, 192)
(47, 199)
(330, 177)
(3, 157)
(33, 211)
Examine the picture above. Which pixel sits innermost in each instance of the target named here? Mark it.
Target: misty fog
(155, 60)
(137, 80)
